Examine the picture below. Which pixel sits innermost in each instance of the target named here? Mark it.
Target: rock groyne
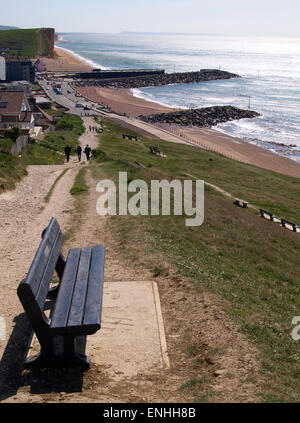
(204, 117)
(161, 79)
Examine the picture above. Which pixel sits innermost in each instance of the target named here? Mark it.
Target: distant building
(2, 69)
(20, 70)
(39, 65)
(15, 111)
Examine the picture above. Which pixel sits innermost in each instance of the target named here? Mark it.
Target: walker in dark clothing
(78, 151)
(67, 152)
(87, 151)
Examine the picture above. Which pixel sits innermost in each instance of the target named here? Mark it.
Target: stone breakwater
(204, 118)
(161, 79)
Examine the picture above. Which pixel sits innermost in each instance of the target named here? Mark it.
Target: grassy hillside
(12, 169)
(251, 264)
(67, 131)
(49, 151)
(28, 42)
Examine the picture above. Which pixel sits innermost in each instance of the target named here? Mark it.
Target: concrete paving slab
(131, 339)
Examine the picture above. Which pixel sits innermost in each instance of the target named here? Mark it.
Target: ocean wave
(140, 94)
(84, 59)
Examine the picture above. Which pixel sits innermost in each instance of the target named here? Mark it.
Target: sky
(226, 17)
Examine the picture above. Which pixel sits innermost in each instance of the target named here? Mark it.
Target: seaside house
(15, 111)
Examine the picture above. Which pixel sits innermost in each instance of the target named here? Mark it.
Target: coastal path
(131, 305)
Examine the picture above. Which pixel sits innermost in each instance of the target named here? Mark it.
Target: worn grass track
(251, 264)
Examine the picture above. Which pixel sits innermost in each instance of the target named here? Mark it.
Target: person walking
(87, 151)
(67, 152)
(79, 151)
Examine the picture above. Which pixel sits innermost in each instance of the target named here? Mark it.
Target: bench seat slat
(62, 306)
(93, 309)
(79, 294)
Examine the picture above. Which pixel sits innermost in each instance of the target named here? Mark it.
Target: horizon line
(180, 33)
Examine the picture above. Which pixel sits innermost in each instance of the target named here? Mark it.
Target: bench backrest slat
(49, 269)
(39, 276)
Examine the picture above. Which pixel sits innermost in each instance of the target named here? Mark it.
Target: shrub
(12, 134)
(99, 155)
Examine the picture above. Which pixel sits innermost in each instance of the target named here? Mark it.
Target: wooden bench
(130, 137)
(285, 222)
(78, 298)
(264, 213)
(157, 152)
(241, 203)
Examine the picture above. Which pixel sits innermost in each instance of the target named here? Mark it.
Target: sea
(269, 83)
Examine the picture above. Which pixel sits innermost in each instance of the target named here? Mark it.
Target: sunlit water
(269, 67)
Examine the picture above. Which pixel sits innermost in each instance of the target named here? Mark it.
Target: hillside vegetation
(49, 151)
(28, 42)
(251, 264)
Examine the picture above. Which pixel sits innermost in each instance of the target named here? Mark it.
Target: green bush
(99, 155)
(12, 134)
(70, 123)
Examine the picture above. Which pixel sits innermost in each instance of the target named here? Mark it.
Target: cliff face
(46, 41)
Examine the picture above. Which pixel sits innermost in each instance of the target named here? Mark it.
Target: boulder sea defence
(160, 79)
(203, 117)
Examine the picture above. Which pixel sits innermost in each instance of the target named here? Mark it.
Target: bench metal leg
(46, 357)
(72, 356)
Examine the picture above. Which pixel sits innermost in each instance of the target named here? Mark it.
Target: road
(68, 98)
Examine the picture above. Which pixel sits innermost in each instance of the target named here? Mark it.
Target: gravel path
(24, 214)
(21, 225)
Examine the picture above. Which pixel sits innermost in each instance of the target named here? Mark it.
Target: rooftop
(14, 105)
(13, 100)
